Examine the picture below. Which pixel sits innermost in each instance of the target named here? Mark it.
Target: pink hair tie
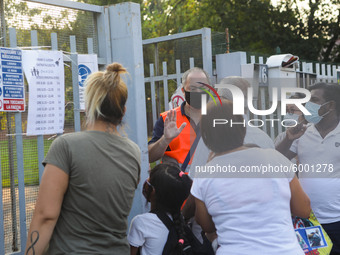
(181, 241)
(180, 175)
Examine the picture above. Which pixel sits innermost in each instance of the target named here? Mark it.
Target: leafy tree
(312, 32)
(316, 29)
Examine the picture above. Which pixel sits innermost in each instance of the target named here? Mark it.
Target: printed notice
(44, 71)
(87, 64)
(12, 91)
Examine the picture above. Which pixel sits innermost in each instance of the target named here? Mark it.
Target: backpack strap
(164, 218)
(172, 236)
(192, 149)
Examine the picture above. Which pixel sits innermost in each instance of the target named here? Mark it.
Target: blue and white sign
(11, 67)
(83, 71)
(87, 64)
(12, 91)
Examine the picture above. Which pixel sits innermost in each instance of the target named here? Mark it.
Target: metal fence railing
(45, 27)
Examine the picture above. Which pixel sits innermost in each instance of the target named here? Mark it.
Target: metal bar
(54, 41)
(156, 59)
(304, 67)
(20, 162)
(12, 181)
(2, 229)
(13, 43)
(309, 68)
(304, 76)
(207, 50)
(329, 74)
(272, 128)
(263, 107)
(153, 96)
(318, 74)
(40, 138)
(334, 76)
(173, 37)
(126, 43)
(323, 71)
(165, 86)
(260, 60)
(75, 83)
(191, 62)
(304, 80)
(334, 72)
(34, 38)
(101, 61)
(248, 115)
(3, 24)
(279, 116)
(157, 85)
(41, 155)
(21, 179)
(160, 78)
(104, 38)
(90, 45)
(178, 72)
(72, 5)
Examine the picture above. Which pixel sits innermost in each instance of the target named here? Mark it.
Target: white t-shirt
(257, 136)
(148, 232)
(321, 157)
(253, 136)
(251, 215)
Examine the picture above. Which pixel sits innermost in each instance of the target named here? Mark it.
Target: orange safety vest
(180, 146)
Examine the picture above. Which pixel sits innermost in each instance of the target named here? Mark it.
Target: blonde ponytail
(106, 95)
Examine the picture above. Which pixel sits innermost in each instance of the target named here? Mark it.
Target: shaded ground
(31, 193)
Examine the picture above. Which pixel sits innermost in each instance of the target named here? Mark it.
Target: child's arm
(135, 236)
(188, 210)
(133, 250)
(203, 217)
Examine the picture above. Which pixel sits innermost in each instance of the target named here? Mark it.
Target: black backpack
(192, 247)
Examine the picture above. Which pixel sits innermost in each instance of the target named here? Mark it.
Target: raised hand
(171, 130)
(296, 132)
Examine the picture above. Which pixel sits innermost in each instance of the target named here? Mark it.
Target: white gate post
(207, 51)
(126, 48)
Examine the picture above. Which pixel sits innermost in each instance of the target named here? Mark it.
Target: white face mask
(291, 119)
(314, 108)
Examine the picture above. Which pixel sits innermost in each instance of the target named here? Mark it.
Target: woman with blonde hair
(89, 179)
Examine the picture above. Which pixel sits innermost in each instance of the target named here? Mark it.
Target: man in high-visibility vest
(176, 130)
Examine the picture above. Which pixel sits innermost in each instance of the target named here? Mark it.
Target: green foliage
(316, 28)
(310, 32)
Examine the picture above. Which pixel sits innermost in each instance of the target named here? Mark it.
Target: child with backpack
(166, 189)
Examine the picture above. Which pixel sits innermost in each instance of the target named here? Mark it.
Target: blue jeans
(333, 231)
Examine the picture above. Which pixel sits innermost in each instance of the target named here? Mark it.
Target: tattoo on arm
(33, 242)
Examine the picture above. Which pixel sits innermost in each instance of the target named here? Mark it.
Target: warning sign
(14, 105)
(12, 91)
